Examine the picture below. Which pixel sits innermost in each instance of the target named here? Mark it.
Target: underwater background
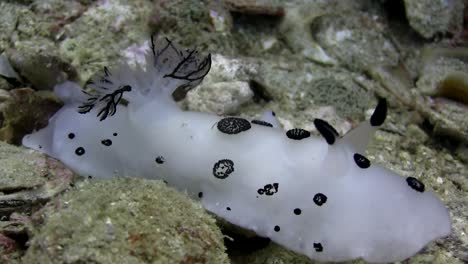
(303, 59)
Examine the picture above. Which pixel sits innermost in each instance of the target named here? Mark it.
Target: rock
(24, 110)
(429, 17)
(222, 98)
(356, 40)
(52, 72)
(205, 24)
(437, 65)
(28, 179)
(442, 92)
(6, 70)
(295, 29)
(125, 221)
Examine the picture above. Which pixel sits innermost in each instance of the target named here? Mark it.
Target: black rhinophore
(380, 113)
(326, 130)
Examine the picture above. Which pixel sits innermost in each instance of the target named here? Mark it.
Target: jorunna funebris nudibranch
(319, 196)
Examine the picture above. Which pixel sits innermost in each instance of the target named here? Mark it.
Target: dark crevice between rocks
(241, 245)
(260, 91)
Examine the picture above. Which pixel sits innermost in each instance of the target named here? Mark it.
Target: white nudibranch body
(317, 196)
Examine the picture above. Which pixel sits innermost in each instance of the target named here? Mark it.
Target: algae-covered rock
(24, 110)
(28, 179)
(356, 40)
(295, 29)
(275, 254)
(442, 94)
(220, 98)
(125, 221)
(97, 37)
(205, 24)
(435, 71)
(429, 17)
(19, 168)
(53, 70)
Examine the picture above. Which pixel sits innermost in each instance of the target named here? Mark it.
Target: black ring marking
(361, 161)
(106, 142)
(297, 211)
(80, 151)
(380, 113)
(261, 123)
(320, 199)
(297, 133)
(277, 228)
(223, 168)
(200, 195)
(415, 184)
(233, 125)
(326, 130)
(160, 159)
(71, 135)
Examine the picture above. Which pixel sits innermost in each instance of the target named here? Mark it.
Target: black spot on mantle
(261, 123)
(297, 133)
(415, 184)
(320, 199)
(361, 161)
(233, 125)
(269, 189)
(318, 247)
(80, 151)
(223, 168)
(106, 142)
(159, 159)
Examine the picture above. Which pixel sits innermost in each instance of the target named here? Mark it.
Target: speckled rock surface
(23, 110)
(27, 181)
(429, 17)
(329, 63)
(137, 221)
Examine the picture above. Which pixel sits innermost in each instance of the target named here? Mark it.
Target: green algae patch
(125, 221)
(18, 168)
